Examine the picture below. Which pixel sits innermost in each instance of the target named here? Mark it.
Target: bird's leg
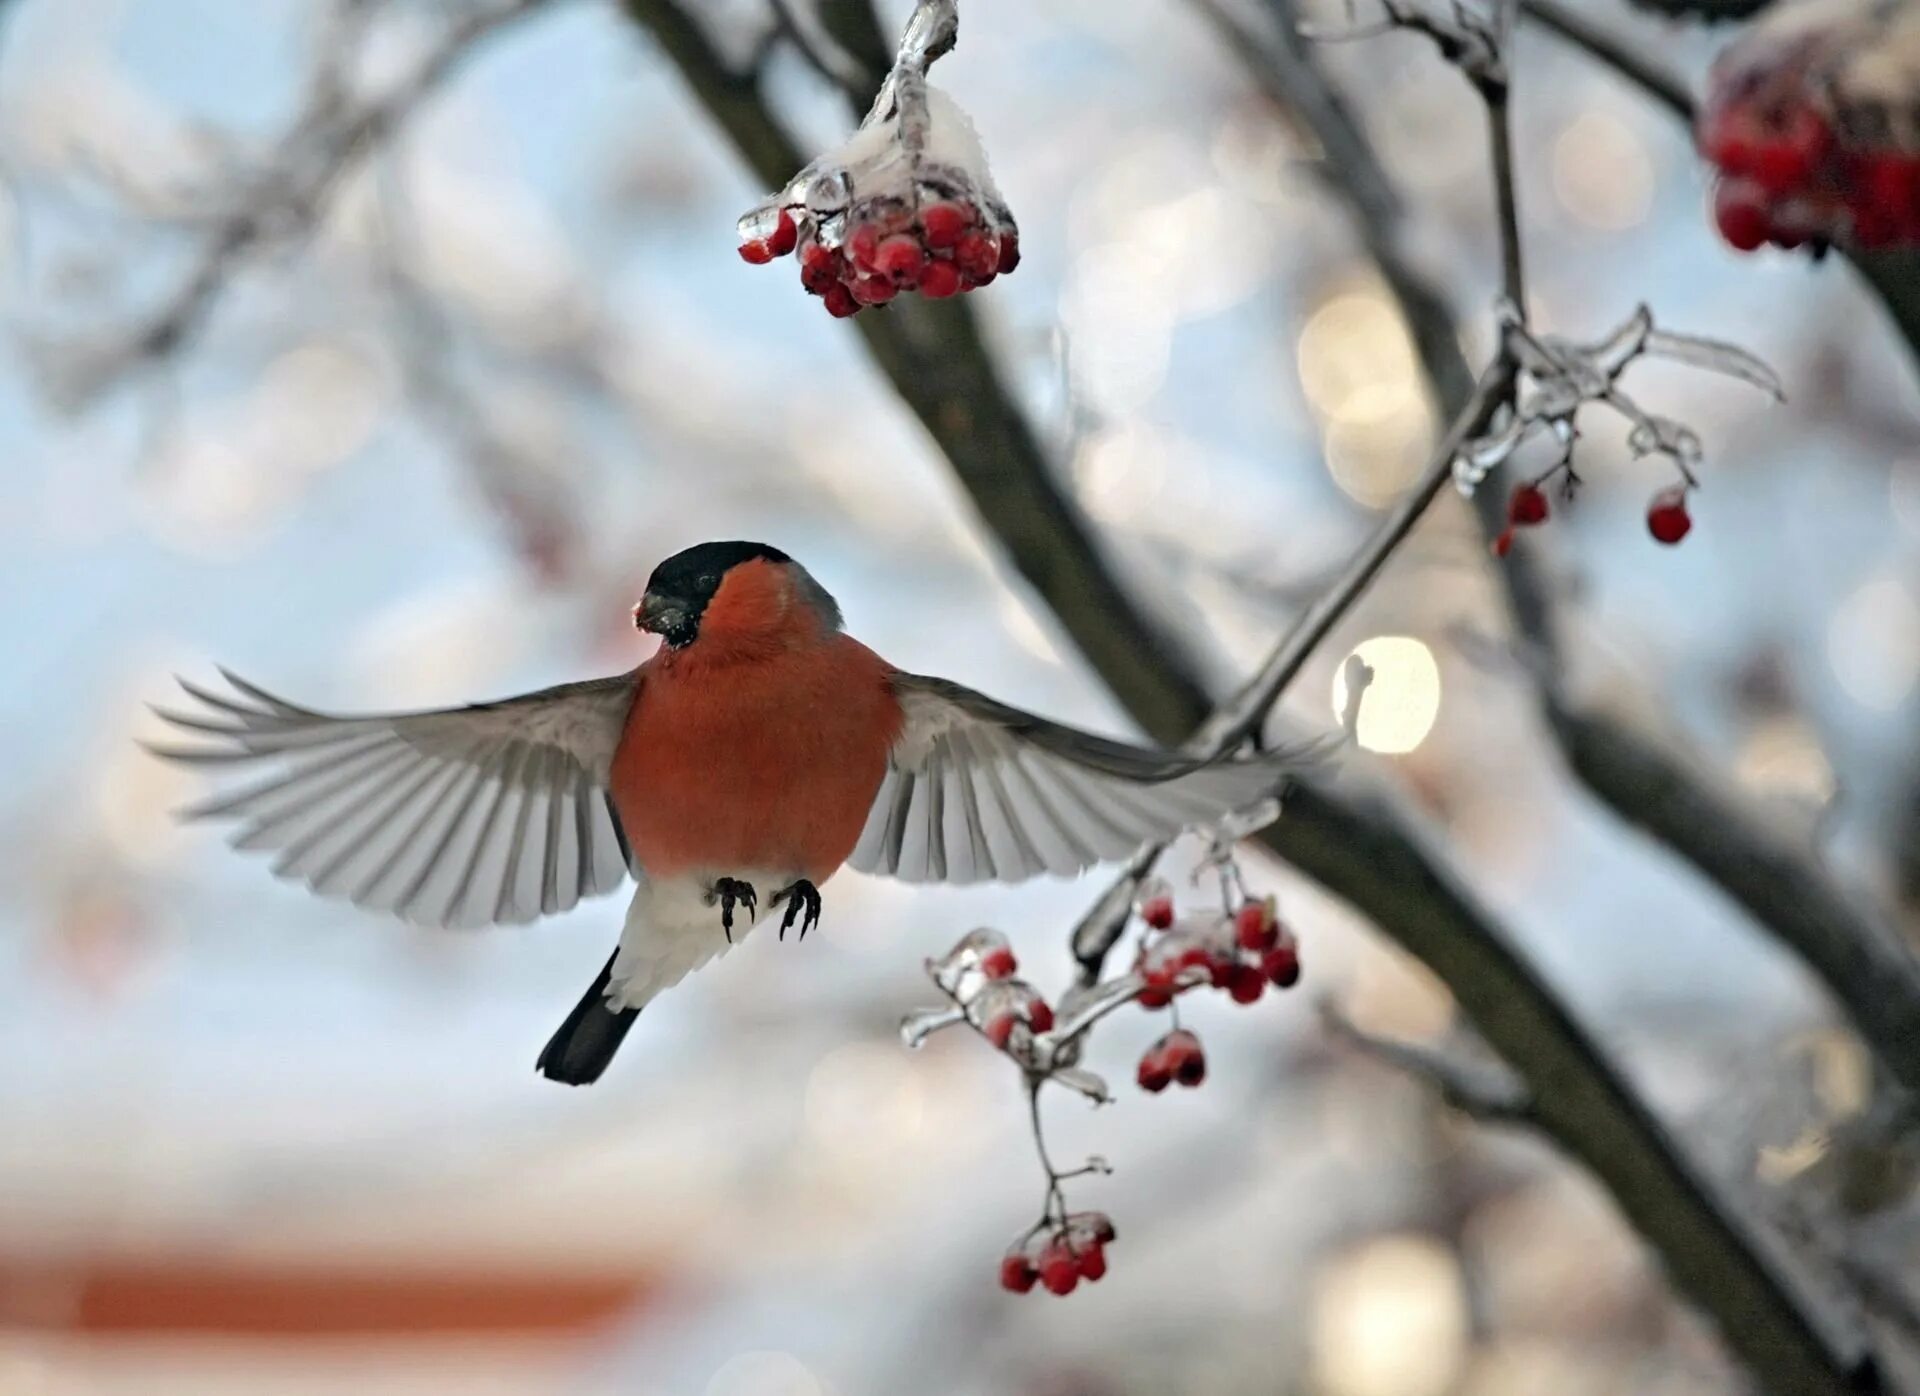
(803, 901)
(727, 891)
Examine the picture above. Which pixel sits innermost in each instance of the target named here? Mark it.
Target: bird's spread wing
(976, 790)
(494, 813)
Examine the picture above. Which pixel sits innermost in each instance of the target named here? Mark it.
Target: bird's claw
(803, 901)
(729, 891)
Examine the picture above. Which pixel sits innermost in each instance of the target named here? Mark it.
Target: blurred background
(379, 353)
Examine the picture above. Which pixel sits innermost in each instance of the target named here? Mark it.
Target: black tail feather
(586, 1042)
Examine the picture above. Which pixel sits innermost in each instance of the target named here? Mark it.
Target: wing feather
(492, 813)
(976, 789)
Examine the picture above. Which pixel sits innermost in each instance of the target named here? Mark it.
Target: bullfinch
(758, 750)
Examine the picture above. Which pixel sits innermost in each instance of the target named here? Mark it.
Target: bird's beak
(657, 614)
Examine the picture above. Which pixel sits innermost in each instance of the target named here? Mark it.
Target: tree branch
(1360, 846)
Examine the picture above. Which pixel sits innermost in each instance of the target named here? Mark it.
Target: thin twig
(1645, 72)
(1490, 1094)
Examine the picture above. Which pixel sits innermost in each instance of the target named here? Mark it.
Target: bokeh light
(1389, 1319)
(1402, 702)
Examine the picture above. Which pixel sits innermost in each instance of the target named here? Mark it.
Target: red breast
(761, 744)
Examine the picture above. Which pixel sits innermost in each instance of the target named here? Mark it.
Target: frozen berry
(1185, 1055)
(1255, 927)
(1157, 911)
(1281, 965)
(1039, 1016)
(819, 269)
(900, 258)
(1059, 1268)
(840, 302)
(1093, 1262)
(998, 963)
(1154, 996)
(1527, 505)
(943, 224)
(1000, 1028)
(1740, 215)
(757, 251)
(1156, 1072)
(1017, 1274)
(1667, 517)
(1009, 252)
(938, 280)
(977, 255)
(862, 245)
(874, 290)
(785, 235)
(1245, 983)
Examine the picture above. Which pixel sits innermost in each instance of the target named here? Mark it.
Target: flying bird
(758, 750)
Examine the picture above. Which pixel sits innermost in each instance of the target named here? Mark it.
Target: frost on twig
(1559, 376)
(905, 204)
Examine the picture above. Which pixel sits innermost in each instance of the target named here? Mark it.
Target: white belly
(673, 927)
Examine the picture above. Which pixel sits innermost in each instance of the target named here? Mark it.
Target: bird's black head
(680, 588)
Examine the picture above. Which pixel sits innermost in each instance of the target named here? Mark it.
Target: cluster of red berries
(942, 249)
(1240, 954)
(1667, 517)
(1059, 1257)
(1802, 162)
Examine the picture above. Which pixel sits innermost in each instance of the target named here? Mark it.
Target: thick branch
(1361, 848)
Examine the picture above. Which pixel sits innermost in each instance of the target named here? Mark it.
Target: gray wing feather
(494, 813)
(978, 790)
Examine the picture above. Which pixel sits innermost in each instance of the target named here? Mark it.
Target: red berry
(756, 252)
(1281, 965)
(938, 280)
(1155, 1072)
(840, 302)
(943, 223)
(819, 269)
(1093, 1262)
(1154, 996)
(1740, 215)
(1667, 517)
(1039, 1016)
(900, 258)
(1527, 505)
(977, 255)
(874, 290)
(1017, 1274)
(1255, 927)
(1504, 543)
(862, 243)
(1157, 911)
(1187, 1058)
(998, 963)
(1059, 1269)
(1000, 1027)
(1245, 983)
(785, 235)
(1009, 251)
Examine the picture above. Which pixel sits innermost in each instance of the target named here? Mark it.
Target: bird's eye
(709, 579)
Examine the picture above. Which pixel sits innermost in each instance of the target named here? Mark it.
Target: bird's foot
(729, 892)
(803, 901)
